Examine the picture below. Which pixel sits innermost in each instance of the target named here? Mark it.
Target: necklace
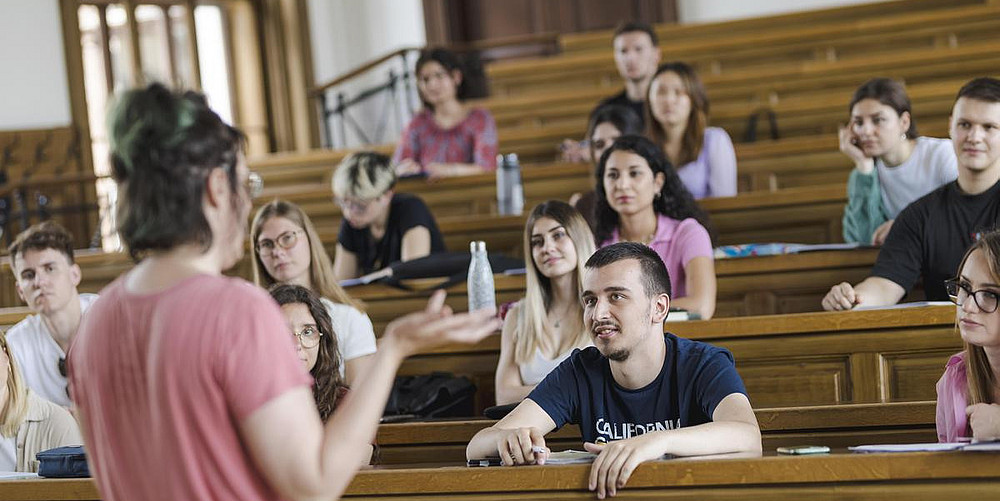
(558, 321)
(644, 240)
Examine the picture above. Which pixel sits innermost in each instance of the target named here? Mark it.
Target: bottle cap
(477, 246)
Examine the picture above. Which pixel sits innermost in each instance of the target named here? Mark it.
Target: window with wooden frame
(184, 44)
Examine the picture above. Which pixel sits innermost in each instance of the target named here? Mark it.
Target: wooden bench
(973, 57)
(779, 44)
(791, 360)
(836, 426)
(765, 285)
(915, 476)
(803, 215)
(670, 34)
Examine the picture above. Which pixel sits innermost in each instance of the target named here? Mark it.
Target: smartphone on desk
(485, 462)
(798, 450)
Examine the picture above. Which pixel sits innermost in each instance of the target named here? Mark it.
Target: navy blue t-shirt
(695, 377)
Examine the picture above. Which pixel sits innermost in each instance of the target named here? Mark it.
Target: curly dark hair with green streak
(674, 200)
(328, 384)
(163, 145)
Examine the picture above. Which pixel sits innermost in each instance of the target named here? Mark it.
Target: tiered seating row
(788, 360)
(830, 425)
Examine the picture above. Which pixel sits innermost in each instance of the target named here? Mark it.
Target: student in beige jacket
(29, 424)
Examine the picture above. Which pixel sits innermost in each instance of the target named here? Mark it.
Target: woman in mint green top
(893, 166)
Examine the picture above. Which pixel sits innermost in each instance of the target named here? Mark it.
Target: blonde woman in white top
(541, 330)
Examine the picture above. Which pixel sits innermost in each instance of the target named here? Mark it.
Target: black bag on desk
(63, 462)
(439, 394)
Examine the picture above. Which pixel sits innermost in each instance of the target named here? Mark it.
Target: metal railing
(398, 91)
(338, 109)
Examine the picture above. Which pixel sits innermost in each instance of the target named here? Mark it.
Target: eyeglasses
(286, 241)
(353, 206)
(987, 301)
(62, 366)
(308, 337)
(254, 184)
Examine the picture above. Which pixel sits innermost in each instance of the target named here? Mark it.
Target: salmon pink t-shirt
(162, 381)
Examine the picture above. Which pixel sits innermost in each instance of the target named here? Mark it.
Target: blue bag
(63, 462)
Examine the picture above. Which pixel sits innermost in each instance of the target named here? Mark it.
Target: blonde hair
(320, 268)
(531, 334)
(979, 374)
(16, 408)
(363, 175)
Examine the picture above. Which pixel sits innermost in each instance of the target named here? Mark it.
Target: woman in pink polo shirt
(641, 199)
(967, 403)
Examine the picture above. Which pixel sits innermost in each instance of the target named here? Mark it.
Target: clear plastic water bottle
(514, 185)
(482, 293)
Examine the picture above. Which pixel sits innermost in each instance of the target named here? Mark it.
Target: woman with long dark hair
(446, 138)
(641, 199)
(607, 123)
(316, 345)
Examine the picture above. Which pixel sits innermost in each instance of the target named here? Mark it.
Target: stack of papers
(931, 447)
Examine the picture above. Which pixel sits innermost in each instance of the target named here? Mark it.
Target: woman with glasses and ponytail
(968, 394)
(379, 226)
(287, 250)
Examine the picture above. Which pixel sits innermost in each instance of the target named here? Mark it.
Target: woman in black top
(379, 226)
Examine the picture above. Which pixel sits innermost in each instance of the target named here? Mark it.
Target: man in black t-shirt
(636, 56)
(638, 393)
(932, 234)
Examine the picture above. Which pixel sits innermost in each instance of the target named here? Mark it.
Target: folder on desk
(928, 447)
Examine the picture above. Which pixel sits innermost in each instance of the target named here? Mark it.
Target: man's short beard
(619, 355)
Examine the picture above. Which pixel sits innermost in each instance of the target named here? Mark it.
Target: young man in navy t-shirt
(638, 393)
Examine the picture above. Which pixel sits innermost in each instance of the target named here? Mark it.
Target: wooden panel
(911, 374)
(806, 380)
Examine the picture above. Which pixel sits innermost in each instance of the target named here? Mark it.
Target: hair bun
(143, 123)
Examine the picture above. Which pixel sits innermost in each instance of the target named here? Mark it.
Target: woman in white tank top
(541, 330)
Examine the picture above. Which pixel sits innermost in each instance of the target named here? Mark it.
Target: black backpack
(434, 395)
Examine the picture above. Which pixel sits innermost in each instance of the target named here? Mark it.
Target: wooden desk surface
(912, 476)
(836, 476)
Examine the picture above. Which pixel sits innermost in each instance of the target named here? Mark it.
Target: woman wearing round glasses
(287, 250)
(968, 394)
(379, 227)
(316, 345)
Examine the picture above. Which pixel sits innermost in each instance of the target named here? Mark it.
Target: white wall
(33, 85)
(706, 11)
(348, 33)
